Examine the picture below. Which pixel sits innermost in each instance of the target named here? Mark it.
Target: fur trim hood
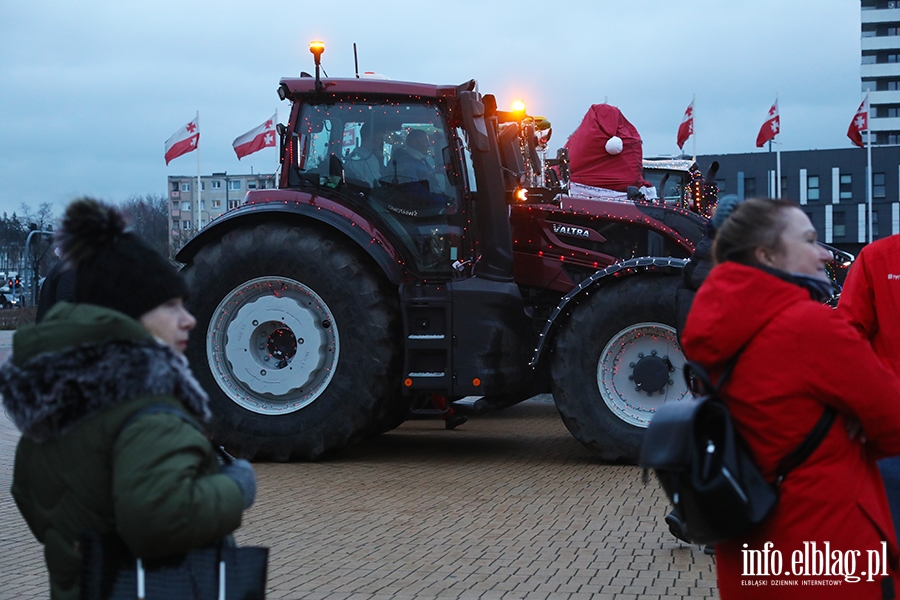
(52, 392)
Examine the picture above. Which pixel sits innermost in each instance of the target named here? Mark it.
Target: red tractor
(420, 247)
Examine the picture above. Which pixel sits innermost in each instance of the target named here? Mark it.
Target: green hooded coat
(72, 382)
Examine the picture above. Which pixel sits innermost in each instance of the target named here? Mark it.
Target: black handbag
(217, 572)
(703, 466)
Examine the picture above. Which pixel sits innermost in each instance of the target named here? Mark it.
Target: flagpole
(869, 174)
(778, 152)
(198, 172)
(694, 127)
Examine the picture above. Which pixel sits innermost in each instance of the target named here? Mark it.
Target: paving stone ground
(508, 506)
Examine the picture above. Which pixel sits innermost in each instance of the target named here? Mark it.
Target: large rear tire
(617, 360)
(296, 341)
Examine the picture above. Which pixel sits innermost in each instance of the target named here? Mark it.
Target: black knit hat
(113, 267)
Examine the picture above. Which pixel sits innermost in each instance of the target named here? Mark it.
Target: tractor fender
(615, 272)
(287, 206)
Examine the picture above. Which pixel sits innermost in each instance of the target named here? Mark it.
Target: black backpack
(702, 464)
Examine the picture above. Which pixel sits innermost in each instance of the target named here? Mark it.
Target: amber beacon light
(317, 48)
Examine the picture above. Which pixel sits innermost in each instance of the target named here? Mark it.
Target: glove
(242, 473)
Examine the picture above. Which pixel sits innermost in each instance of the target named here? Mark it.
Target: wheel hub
(651, 373)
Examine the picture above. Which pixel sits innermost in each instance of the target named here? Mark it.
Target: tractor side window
(465, 157)
(318, 148)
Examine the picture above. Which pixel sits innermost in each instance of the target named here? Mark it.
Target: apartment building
(189, 211)
(880, 68)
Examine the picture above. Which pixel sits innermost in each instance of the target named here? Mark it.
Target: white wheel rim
(272, 345)
(655, 342)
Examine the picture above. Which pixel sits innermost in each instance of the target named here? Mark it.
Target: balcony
(884, 124)
(884, 97)
(887, 42)
(880, 70)
(886, 15)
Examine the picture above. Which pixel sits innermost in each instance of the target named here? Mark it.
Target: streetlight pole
(31, 261)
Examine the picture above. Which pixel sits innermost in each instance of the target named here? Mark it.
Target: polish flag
(686, 129)
(859, 123)
(255, 139)
(770, 128)
(183, 141)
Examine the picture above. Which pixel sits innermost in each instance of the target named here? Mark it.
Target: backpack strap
(808, 445)
(799, 454)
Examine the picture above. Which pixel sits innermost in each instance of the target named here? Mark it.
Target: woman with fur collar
(92, 455)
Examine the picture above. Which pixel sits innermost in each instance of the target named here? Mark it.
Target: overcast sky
(90, 91)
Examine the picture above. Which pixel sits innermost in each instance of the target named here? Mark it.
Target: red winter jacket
(870, 299)
(800, 356)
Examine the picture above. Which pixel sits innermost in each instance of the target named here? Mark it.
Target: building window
(846, 191)
(175, 224)
(812, 188)
(868, 59)
(234, 184)
(251, 185)
(185, 225)
(186, 206)
(233, 204)
(202, 186)
(878, 185)
(217, 204)
(215, 184)
(839, 224)
(874, 224)
(185, 186)
(749, 187)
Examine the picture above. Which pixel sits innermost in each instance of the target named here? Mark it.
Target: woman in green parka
(91, 457)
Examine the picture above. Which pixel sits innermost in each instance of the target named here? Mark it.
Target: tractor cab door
(390, 159)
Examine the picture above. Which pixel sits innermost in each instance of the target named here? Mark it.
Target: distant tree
(148, 217)
(35, 228)
(41, 218)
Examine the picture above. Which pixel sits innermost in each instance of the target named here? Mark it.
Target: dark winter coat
(799, 357)
(71, 383)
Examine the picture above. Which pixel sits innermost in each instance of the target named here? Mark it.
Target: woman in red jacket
(831, 535)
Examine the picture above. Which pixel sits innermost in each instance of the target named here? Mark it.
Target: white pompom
(614, 145)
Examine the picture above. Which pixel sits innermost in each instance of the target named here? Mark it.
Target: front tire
(617, 360)
(296, 340)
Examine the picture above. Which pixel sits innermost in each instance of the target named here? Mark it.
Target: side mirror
(473, 121)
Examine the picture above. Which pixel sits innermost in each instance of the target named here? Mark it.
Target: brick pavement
(509, 506)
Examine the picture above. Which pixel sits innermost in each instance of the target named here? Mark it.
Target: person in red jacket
(870, 300)
(831, 535)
